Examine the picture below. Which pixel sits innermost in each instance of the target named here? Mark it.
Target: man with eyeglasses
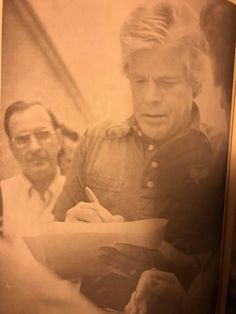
(35, 140)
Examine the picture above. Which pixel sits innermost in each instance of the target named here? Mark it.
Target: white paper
(72, 249)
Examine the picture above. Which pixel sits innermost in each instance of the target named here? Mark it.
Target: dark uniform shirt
(181, 180)
(137, 178)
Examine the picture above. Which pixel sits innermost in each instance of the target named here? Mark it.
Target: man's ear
(60, 137)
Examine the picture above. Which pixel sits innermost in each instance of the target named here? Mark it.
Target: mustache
(36, 155)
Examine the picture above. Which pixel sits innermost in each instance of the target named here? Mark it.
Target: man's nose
(154, 93)
(34, 143)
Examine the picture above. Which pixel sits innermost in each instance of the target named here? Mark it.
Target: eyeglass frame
(30, 134)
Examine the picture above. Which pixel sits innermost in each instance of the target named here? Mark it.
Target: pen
(91, 196)
(104, 214)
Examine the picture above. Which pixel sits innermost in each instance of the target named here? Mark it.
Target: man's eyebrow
(42, 128)
(136, 75)
(158, 78)
(168, 78)
(25, 132)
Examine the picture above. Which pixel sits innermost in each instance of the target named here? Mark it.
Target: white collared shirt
(23, 207)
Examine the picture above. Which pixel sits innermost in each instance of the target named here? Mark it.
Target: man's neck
(41, 184)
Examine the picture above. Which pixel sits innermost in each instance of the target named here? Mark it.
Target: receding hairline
(21, 107)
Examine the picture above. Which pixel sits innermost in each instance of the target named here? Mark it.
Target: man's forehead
(162, 62)
(29, 119)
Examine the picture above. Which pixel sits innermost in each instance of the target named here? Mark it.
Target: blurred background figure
(35, 140)
(218, 20)
(28, 287)
(70, 143)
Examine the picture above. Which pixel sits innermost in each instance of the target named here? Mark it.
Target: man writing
(35, 140)
(162, 162)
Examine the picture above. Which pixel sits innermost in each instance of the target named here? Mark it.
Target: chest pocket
(107, 190)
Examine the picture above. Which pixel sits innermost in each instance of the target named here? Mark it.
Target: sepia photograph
(116, 171)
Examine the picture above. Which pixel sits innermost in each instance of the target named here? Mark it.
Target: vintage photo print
(115, 136)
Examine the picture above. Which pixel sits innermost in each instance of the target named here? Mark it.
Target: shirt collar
(194, 125)
(57, 182)
(51, 190)
(196, 122)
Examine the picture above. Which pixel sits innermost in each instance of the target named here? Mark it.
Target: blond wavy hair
(167, 23)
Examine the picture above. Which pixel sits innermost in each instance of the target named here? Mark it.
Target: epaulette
(118, 129)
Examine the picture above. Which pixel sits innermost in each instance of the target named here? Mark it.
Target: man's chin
(42, 171)
(155, 133)
(40, 168)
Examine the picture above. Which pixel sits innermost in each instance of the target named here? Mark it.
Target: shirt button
(154, 164)
(150, 184)
(150, 147)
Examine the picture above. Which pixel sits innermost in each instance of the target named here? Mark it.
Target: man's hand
(91, 212)
(165, 258)
(159, 290)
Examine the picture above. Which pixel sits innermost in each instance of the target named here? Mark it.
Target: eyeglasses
(23, 140)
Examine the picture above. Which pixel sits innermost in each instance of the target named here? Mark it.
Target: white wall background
(86, 33)
(86, 36)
